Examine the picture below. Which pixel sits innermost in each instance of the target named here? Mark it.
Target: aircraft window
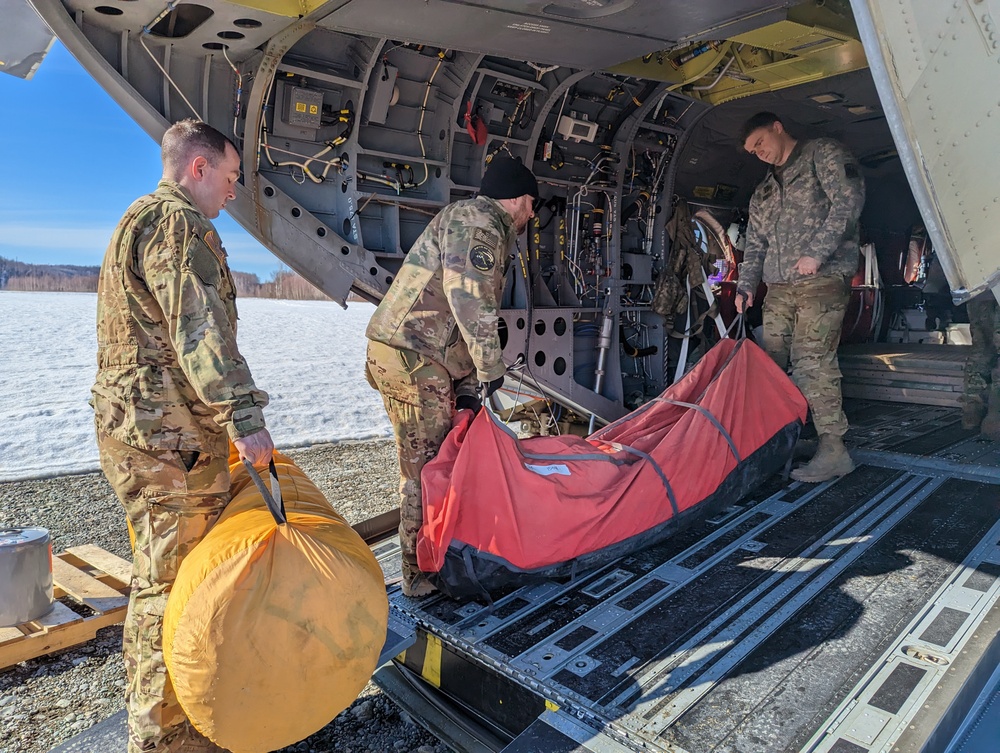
(181, 21)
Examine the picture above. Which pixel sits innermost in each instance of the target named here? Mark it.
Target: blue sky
(71, 162)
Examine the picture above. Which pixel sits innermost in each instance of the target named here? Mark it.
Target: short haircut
(760, 120)
(187, 139)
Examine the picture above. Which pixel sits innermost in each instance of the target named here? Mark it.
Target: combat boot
(991, 423)
(831, 460)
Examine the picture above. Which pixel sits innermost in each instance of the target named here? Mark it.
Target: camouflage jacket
(445, 300)
(808, 207)
(169, 375)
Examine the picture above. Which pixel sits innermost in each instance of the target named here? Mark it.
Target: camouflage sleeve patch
(483, 249)
(486, 237)
(482, 258)
(200, 258)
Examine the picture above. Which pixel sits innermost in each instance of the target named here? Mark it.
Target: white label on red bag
(549, 470)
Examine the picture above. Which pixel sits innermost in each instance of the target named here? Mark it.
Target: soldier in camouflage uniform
(171, 391)
(803, 240)
(434, 346)
(981, 401)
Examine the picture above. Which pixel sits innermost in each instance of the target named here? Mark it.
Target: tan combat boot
(831, 460)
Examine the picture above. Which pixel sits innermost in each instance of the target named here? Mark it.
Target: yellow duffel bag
(272, 629)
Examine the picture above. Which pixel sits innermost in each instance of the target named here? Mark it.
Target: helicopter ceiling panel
(593, 35)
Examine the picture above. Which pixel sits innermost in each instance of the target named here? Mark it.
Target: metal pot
(25, 575)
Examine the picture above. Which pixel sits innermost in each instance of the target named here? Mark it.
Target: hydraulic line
(541, 70)
(423, 112)
(603, 346)
(239, 89)
(303, 166)
(709, 87)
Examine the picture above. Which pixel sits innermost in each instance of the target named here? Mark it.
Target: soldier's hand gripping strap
(272, 498)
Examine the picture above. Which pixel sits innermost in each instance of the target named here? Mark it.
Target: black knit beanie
(508, 178)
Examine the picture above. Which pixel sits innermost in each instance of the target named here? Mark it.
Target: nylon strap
(272, 499)
(470, 570)
(590, 456)
(707, 414)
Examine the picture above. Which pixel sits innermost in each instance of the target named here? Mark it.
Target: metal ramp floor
(847, 617)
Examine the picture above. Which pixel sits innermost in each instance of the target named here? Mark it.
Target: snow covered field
(308, 356)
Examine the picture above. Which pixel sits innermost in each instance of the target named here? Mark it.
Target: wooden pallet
(87, 575)
(908, 373)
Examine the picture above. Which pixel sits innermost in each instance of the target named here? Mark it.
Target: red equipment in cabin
(498, 509)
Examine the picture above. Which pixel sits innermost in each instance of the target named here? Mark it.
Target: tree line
(17, 275)
(284, 284)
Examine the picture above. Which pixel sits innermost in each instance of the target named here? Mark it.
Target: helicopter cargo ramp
(851, 616)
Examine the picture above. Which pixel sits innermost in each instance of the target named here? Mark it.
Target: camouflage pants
(169, 509)
(419, 397)
(981, 367)
(802, 323)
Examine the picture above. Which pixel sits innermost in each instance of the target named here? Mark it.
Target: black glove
(488, 388)
(468, 402)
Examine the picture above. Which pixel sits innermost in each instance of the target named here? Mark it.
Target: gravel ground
(46, 700)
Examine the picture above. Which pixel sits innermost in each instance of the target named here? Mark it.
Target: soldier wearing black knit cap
(434, 345)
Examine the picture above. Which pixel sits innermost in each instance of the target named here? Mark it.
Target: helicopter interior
(359, 120)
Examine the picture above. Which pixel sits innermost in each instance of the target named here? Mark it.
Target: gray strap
(594, 456)
(659, 472)
(272, 498)
(707, 414)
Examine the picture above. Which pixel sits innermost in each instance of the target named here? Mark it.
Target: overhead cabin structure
(359, 120)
